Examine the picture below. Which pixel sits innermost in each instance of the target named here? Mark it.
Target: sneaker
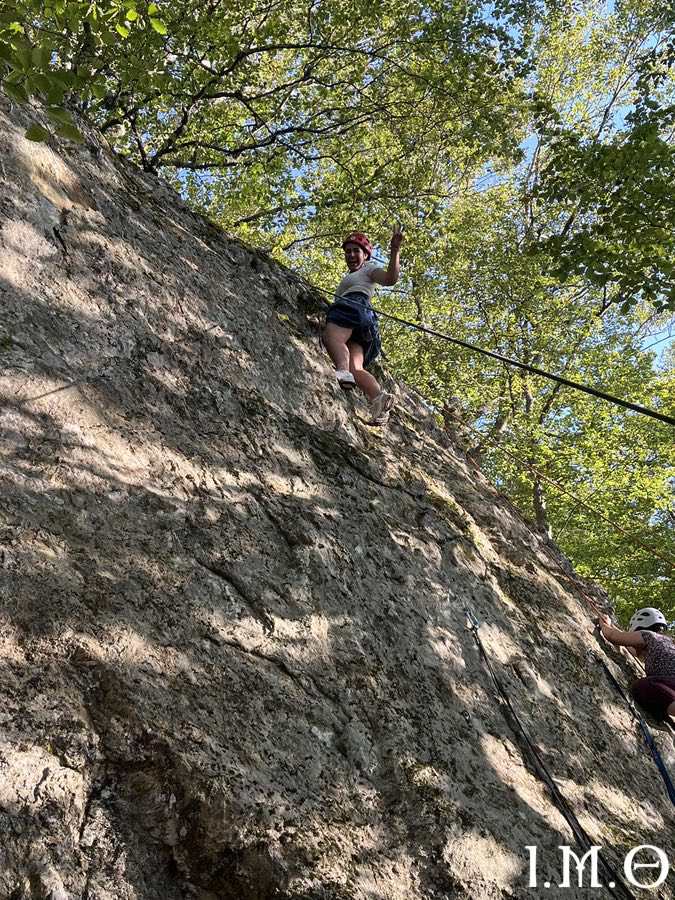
(345, 379)
(381, 407)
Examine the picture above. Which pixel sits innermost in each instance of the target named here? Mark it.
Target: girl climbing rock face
(656, 691)
(352, 336)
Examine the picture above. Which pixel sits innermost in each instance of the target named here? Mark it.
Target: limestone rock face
(234, 654)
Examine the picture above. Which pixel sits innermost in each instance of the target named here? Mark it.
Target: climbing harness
(360, 316)
(646, 731)
(540, 768)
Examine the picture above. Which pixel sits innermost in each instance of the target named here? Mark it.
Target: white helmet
(645, 618)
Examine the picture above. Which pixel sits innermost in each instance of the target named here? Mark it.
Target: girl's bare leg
(335, 341)
(368, 384)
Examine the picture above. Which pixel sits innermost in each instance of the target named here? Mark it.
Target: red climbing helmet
(361, 239)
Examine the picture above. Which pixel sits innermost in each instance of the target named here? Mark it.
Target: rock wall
(234, 654)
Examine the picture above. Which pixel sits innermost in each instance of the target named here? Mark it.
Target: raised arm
(389, 276)
(619, 637)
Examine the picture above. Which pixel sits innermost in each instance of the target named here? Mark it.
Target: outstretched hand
(397, 238)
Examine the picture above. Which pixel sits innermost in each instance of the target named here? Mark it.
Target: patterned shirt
(659, 655)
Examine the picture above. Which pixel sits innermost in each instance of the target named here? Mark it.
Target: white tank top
(358, 281)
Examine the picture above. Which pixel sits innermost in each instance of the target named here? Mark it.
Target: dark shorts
(353, 311)
(654, 693)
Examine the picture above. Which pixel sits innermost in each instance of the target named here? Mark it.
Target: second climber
(656, 691)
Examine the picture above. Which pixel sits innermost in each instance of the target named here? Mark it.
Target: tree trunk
(539, 503)
(538, 496)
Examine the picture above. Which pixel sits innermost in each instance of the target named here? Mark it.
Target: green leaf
(36, 133)
(121, 30)
(60, 115)
(56, 93)
(25, 58)
(66, 78)
(41, 57)
(131, 15)
(159, 26)
(39, 84)
(82, 79)
(153, 9)
(16, 92)
(70, 133)
(16, 76)
(99, 89)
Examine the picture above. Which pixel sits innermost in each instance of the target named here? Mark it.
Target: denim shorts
(354, 311)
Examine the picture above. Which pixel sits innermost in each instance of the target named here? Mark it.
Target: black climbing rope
(594, 392)
(542, 771)
(646, 731)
